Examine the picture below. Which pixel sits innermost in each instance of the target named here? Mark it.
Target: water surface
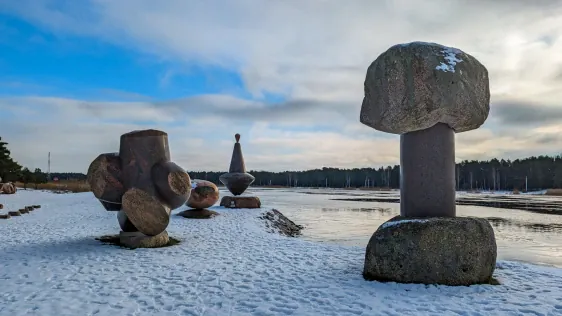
(523, 235)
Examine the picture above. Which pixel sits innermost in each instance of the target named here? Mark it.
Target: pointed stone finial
(237, 137)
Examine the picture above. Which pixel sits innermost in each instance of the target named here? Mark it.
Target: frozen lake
(521, 235)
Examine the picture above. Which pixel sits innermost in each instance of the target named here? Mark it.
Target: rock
(5, 216)
(241, 202)
(145, 211)
(414, 86)
(111, 207)
(105, 178)
(29, 208)
(124, 222)
(237, 182)
(204, 194)
(8, 188)
(23, 211)
(276, 222)
(139, 240)
(198, 213)
(14, 213)
(172, 183)
(438, 250)
(36, 206)
(1, 206)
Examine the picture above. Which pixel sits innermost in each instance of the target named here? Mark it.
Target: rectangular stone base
(140, 240)
(241, 202)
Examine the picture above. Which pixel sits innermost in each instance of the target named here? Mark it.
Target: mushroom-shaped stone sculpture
(426, 92)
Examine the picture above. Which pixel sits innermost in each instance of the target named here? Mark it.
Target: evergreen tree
(9, 169)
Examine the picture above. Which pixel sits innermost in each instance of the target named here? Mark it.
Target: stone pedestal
(139, 240)
(241, 202)
(427, 172)
(436, 250)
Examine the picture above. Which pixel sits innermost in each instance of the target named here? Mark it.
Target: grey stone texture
(139, 240)
(438, 250)
(427, 162)
(414, 86)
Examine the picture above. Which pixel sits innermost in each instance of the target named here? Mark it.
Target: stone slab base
(435, 250)
(198, 213)
(140, 240)
(241, 202)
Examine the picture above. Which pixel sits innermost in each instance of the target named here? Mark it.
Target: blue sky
(38, 62)
(74, 75)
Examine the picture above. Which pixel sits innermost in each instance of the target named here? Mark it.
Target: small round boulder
(414, 86)
(436, 250)
(203, 194)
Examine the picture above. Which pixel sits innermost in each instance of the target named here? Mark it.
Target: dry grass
(554, 192)
(62, 186)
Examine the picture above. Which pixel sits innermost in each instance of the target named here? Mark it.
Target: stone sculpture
(237, 180)
(142, 185)
(426, 92)
(204, 194)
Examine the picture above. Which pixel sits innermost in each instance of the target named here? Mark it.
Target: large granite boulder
(414, 86)
(438, 250)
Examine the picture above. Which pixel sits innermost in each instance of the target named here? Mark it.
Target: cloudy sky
(287, 75)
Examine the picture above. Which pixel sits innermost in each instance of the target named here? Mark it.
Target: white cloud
(315, 53)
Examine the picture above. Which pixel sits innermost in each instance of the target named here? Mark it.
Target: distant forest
(533, 173)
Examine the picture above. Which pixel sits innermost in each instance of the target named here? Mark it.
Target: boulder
(414, 86)
(14, 213)
(276, 222)
(204, 194)
(8, 188)
(139, 240)
(241, 202)
(5, 216)
(1, 206)
(437, 250)
(198, 213)
(23, 211)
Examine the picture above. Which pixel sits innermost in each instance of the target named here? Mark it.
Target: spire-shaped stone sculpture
(237, 180)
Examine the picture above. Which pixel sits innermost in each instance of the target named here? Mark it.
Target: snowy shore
(50, 264)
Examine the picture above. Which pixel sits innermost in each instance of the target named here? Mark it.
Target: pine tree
(9, 169)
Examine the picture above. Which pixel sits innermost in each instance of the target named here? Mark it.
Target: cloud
(314, 55)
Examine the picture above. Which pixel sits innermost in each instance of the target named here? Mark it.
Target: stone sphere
(203, 194)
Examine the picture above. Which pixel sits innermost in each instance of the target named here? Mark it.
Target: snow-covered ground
(50, 264)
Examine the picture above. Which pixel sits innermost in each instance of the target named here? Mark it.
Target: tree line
(533, 173)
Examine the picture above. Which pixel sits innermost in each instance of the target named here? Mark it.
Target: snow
(450, 55)
(50, 264)
(402, 221)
